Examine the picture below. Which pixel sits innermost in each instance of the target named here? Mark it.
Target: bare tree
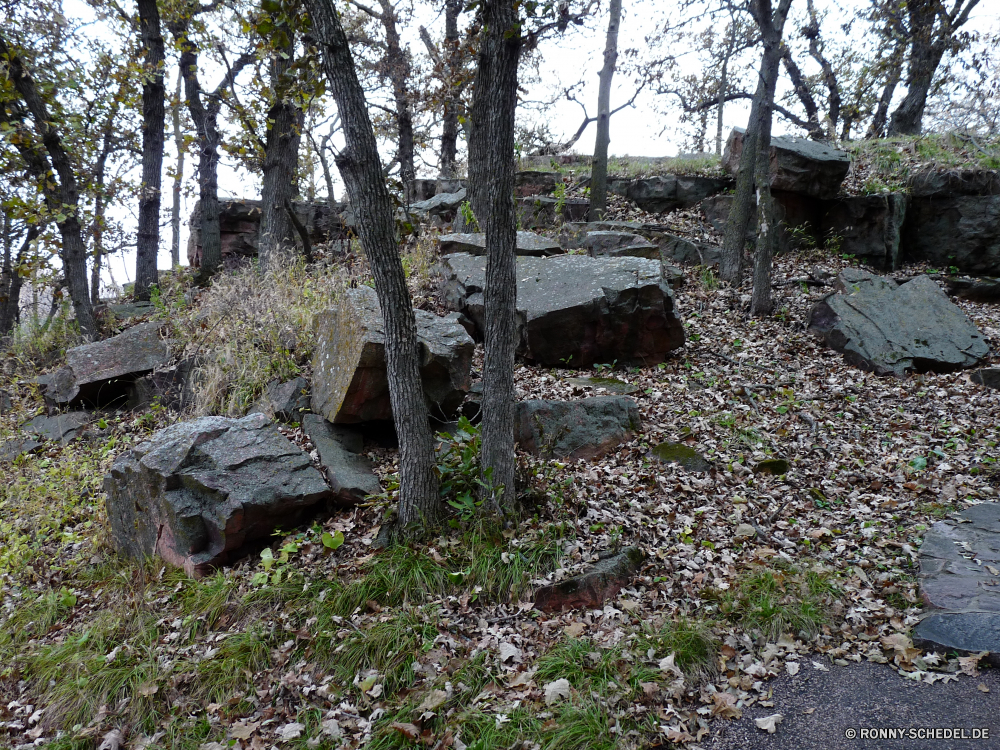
(153, 91)
(361, 168)
(599, 168)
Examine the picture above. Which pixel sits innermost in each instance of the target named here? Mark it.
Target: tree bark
(895, 66)
(805, 96)
(360, 166)
(452, 103)
(494, 103)
(281, 154)
(11, 280)
(932, 32)
(829, 74)
(148, 237)
(599, 168)
(742, 210)
(175, 208)
(62, 197)
(723, 84)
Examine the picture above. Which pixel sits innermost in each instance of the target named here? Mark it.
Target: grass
(771, 602)
(230, 672)
(692, 643)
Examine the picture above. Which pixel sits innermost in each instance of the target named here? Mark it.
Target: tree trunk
(62, 198)
(399, 75)
(805, 96)
(281, 154)
(895, 66)
(148, 237)
(361, 168)
(723, 84)
(599, 168)
(731, 267)
(11, 280)
(449, 119)
(494, 102)
(175, 209)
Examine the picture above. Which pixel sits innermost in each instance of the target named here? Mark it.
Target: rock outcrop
(530, 182)
(103, 372)
(588, 428)
(578, 310)
(350, 384)
(60, 427)
(619, 245)
(893, 329)
(197, 493)
(287, 401)
(349, 472)
(474, 243)
(544, 211)
(665, 193)
(868, 227)
(442, 205)
(798, 165)
(594, 587)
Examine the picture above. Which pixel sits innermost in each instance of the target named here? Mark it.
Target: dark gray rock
(530, 182)
(171, 387)
(675, 249)
(11, 449)
(350, 473)
(546, 212)
(611, 385)
(286, 401)
(443, 204)
(798, 218)
(949, 183)
(136, 309)
(421, 189)
(975, 290)
(619, 244)
(958, 560)
(988, 376)
(349, 370)
(890, 329)
(774, 466)
(573, 234)
(591, 589)
(578, 310)
(664, 193)
(961, 231)
(103, 372)
(868, 227)
(683, 455)
(528, 243)
(61, 427)
(588, 428)
(6, 403)
(798, 165)
(197, 493)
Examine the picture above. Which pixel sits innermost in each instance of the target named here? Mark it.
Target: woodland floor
(438, 646)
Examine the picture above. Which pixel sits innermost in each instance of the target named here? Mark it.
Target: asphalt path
(835, 710)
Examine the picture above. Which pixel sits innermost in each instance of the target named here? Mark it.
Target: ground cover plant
(323, 641)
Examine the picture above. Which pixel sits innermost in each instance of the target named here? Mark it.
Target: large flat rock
(544, 211)
(960, 582)
(665, 193)
(575, 310)
(474, 243)
(351, 475)
(197, 493)
(350, 383)
(894, 329)
(60, 427)
(798, 165)
(104, 371)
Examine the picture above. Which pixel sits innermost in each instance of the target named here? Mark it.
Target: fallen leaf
(410, 731)
(556, 691)
(820, 667)
(508, 652)
(575, 630)
(243, 731)
(434, 700)
(792, 668)
(112, 740)
(981, 687)
(725, 706)
(769, 723)
(667, 665)
(290, 731)
(809, 710)
(970, 664)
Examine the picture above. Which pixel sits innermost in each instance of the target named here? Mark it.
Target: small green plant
(560, 196)
(469, 216)
(460, 471)
(605, 366)
(707, 279)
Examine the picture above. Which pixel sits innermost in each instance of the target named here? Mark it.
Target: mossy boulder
(678, 453)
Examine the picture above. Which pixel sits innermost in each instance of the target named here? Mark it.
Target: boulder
(665, 193)
(444, 205)
(798, 165)
(350, 383)
(239, 224)
(544, 212)
(6, 403)
(988, 377)
(61, 427)
(619, 244)
(949, 183)
(137, 309)
(528, 243)
(867, 227)
(590, 590)
(421, 189)
(11, 449)
(893, 329)
(577, 310)
(959, 583)
(975, 290)
(530, 182)
(685, 252)
(198, 493)
(683, 455)
(588, 428)
(103, 372)
(286, 401)
(171, 387)
(349, 472)
(961, 231)
(573, 234)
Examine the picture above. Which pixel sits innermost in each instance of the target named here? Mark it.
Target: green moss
(678, 453)
(612, 385)
(774, 466)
